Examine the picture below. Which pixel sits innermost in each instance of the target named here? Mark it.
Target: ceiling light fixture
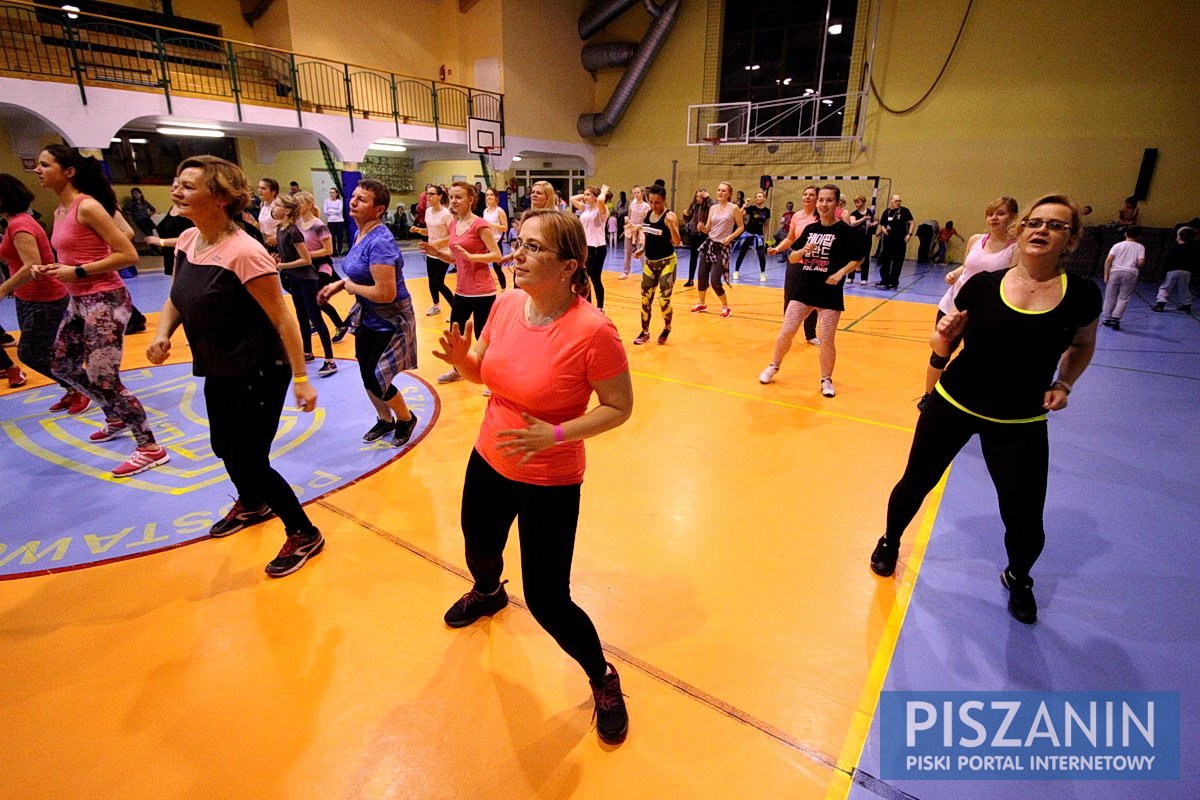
(391, 148)
(69, 9)
(115, 140)
(137, 141)
(516, 158)
(835, 29)
(205, 133)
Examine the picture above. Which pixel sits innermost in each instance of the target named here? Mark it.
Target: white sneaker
(737, 275)
(487, 392)
(762, 277)
(450, 377)
(768, 374)
(433, 311)
(815, 342)
(827, 387)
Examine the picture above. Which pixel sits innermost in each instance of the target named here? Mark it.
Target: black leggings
(369, 347)
(694, 241)
(243, 416)
(323, 280)
(1017, 458)
(467, 307)
(595, 268)
(435, 268)
(39, 323)
(308, 312)
(546, 517)
(760, 248)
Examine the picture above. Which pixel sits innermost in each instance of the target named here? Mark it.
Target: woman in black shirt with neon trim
(1018, 326)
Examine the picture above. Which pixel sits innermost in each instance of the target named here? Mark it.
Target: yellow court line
(781, 403)
(868, 700)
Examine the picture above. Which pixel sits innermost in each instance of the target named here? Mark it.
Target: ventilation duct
(663, 17)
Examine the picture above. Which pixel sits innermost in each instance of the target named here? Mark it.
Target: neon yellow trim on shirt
(965, 410)
(1063, 278)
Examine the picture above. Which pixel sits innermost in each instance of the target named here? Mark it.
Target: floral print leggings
(87, 355)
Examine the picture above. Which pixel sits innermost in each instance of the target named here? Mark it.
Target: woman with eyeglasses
(544, 352)
(1028, 334)
(986, 252)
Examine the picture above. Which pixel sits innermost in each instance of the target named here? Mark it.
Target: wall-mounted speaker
(1146, 173)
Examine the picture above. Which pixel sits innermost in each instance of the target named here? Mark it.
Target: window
(772, 50)
(151, 158)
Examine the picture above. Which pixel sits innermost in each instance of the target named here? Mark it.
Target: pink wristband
(559, 436)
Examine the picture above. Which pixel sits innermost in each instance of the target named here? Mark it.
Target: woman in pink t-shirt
(471, 246)
(91, 248)
(544, 352)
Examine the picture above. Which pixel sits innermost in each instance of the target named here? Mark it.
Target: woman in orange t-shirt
(544, 352)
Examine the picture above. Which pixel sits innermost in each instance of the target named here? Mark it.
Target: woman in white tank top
(494, 215)
(592, 206)
(724, 226)
(986, 252)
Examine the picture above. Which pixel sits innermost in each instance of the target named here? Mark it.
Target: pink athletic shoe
(699, 307)
(142, 460)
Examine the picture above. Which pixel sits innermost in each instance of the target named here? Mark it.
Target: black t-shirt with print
(896, 220)
(836, 246)
(755, 218)
(1009, 356)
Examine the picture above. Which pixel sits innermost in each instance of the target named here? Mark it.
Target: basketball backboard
(485, 136)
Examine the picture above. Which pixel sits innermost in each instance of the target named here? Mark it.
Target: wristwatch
(80, 273)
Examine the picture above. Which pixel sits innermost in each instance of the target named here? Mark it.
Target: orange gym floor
(721, 553)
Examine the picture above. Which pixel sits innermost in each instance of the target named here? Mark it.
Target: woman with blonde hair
(1028, 334)
(544, 353)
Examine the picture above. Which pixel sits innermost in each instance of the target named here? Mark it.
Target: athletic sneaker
(737, 275)
(473, 605)
(768, 374)
(883, 557)
(340, 333)
(449, 377)
(64, 402)
(725, 312)
(1115, 324)
(612, 719)
(642, 337)
(662, 337)
(623, 276)
(7, 339)
(815, 341)
(699, 307)
(297, 550)
(327, 369)
(404, 430)
(433, 311)
(1021, 603)
(239, 517)
(16, 377)
(762, 277)
(1159, 307)
(487, 392)
(1186, 308)
(381, 428)
(79, 403)
(109, 431)
(142, 460)
(309, 358)
(827, 387)
(689, 284)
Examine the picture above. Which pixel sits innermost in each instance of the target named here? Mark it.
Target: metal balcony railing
(48, 43)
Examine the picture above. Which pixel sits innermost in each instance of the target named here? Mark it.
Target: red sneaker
(64, 402)
(726, 311)
(699, 307)
(79, 403)
(15, 376)
(109, 431)
(142, 460)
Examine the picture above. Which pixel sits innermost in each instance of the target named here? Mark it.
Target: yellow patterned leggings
(660, 275)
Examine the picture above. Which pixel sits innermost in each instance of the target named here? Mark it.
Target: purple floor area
(1119, 607)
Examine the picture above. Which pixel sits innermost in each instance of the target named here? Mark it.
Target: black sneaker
(1115, 325)
(1021, 603)
(883, 557)
(404, 430)
(239, 517)
(340, 334)
(7, 339)
(1186, 308)
(612, 719)
(1159, 307)
(380, 429)
(297, 550)
(662, 337)
(473, 605)
(689, 284)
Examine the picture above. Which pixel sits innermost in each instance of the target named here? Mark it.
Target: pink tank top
(720, 223)
(978, 260)
(76, 245)
(474, 277)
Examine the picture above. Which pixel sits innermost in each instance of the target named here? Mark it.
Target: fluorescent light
(808, 91)
(835, 29)
(69, 9)
(516, 158)
(827, 102)
(391, 148)
(137, 141)
(204, 126)
(207, 133)
(750, 67)
(115, 140)
(787, 81)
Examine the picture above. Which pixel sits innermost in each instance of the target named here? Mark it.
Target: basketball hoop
(711, 143)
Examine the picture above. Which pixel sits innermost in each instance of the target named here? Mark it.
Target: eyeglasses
(1033, 223)
(530, 246)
